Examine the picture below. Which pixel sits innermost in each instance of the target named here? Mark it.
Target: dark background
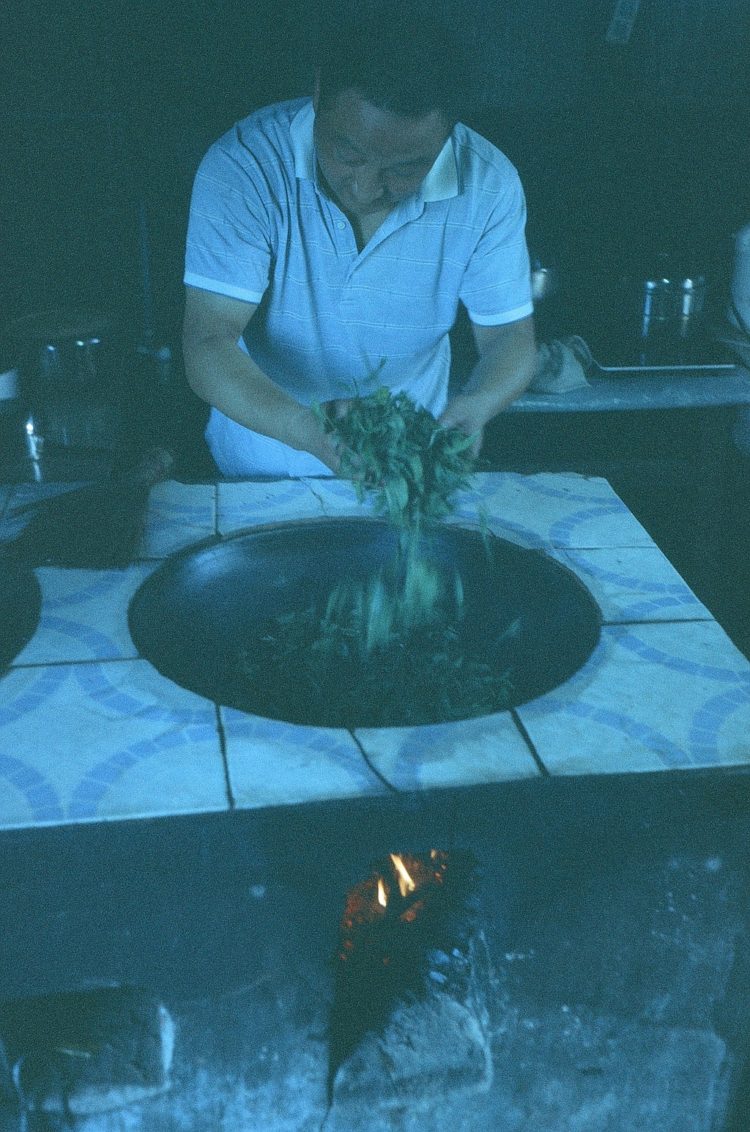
(625, 150)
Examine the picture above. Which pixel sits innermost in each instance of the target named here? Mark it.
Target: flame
(382, 894)
(412, 912)
(405, 882)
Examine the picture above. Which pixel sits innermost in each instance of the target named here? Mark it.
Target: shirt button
(341, 224)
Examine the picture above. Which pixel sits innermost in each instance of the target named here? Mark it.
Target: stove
(153, 836)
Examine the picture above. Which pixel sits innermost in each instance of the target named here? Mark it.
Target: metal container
(70, 384)
(691, 302)
(658, 302)
(739, 287)
(544, 283)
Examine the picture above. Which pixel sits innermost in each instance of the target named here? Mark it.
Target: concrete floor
(616, 913)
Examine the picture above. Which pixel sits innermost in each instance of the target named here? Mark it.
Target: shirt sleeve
(228, 248)
(496, 286)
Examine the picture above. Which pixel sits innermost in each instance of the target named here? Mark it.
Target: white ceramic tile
(85, 742)
(272, 763)
(94, 741)
(487, 749)
(84, 615)
(552, 510)
(651, 697)
(249, 504)
(24, 493)
(20, 496)
(634, 584)
(179, 514)
(338, 497)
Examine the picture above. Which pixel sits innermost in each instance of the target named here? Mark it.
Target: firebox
(410, 1009)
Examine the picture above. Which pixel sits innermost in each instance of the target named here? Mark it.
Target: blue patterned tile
(272, 763)
(111, 738)
(179, 515)
(465, 753)
(652, 697)
(251, 504)
(338, 497)
(84, 615)
(549, 510)
(14, 518)
(635, 584)
(85, 742)
(5, 497)
(24, 493)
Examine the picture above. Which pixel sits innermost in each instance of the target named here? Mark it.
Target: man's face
(371, 158)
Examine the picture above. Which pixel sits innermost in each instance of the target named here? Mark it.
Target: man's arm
(222, 374)
(506, 366)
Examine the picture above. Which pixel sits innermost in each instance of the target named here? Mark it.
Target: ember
(399, 889)
(405, 931)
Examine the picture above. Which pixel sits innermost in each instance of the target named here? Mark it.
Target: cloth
(261, 229)
(562, 365)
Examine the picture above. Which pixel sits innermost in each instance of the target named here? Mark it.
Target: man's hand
(468, 412)
(507, 361)
(335, 410)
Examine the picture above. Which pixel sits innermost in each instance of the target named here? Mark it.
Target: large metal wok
(193, 617)
(20, 605)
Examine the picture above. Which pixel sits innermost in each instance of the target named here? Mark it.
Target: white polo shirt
(333, 321)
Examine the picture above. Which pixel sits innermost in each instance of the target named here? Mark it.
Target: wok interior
(193, 617)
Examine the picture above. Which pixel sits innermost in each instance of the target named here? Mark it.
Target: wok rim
(171, 565)
(20, 623)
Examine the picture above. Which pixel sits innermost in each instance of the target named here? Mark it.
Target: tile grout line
(663, 621)
(317, 496)
(389, 785)
(529, 743)
(224, 757)
(69, 663)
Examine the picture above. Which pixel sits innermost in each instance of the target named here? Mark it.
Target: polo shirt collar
(303, 148)
(441, 182)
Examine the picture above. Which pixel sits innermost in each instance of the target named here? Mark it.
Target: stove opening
(412, 974)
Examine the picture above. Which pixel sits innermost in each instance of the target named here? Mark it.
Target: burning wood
(398, 890)
(411, 969)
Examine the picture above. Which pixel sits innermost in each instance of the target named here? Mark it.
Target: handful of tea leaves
(397, 451)
(387, 650)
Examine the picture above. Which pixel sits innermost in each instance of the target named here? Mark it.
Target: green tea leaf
(388, 646)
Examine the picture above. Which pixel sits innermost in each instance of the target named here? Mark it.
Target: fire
(405, 882)
(399, 891)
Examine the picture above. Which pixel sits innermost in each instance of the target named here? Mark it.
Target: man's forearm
(505, 368)
(221, 373)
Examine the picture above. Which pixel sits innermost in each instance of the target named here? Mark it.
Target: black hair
(398, 54)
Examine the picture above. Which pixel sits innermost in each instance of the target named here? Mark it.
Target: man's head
(385, 104)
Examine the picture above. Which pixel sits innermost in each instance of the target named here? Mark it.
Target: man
(330, 243)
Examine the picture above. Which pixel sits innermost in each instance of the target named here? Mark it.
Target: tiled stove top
(89, 731)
